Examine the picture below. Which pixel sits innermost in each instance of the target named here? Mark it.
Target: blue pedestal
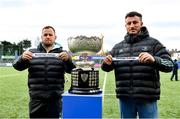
(81, 106)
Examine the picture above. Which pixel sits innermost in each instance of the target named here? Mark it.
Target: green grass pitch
(14, 96)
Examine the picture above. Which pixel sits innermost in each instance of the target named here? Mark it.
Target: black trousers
(174, 74)
(45, 108)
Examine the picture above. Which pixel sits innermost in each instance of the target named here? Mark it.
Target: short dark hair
(48, 27)
(132, 14)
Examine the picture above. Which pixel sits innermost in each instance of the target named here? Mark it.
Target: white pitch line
(104, 85)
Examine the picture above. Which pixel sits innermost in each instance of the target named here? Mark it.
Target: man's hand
(145, 57)
(27, 55)
(64, 56)
(107, 60)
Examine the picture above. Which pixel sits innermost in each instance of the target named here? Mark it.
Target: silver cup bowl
(83, 44)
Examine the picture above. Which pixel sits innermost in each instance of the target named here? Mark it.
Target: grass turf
(14, 96)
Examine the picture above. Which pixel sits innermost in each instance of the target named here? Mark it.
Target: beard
(48, 43)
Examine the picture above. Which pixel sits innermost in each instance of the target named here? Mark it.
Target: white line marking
(104, 85)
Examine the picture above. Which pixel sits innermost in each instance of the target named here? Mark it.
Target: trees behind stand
(12, 49)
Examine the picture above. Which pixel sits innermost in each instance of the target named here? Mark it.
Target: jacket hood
(135, 38)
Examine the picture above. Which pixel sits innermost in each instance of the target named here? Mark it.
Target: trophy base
(85, 91)
(85, 81)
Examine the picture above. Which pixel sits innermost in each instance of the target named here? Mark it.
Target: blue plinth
(81, 106)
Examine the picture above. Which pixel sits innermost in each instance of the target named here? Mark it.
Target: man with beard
(136, 62)
(46, 75)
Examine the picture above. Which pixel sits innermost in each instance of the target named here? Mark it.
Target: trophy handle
(101, 37)
(101, 51)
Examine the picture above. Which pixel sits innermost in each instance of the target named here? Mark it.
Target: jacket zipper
(131, 80)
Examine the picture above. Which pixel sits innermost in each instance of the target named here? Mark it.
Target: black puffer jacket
(46, 74)
(135, 79)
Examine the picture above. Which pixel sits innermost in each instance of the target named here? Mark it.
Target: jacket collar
(55, 46)
(135, 38)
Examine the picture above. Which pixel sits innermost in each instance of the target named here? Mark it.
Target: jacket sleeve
(106, 67)
(163, 61)
(20, 64)
(69, 65)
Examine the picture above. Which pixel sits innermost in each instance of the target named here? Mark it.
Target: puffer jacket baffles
(135, 79)
(46, 74)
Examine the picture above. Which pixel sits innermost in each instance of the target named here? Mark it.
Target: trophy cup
(85, 78)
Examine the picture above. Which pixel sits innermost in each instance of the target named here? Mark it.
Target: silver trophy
(85, 78)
